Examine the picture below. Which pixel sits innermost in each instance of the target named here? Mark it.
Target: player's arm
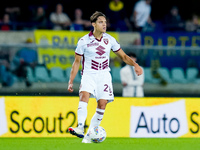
(129, 61)
(74, 71)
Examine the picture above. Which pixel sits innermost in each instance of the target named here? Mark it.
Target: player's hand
(70, 87)
(138, 70)
(124, 84)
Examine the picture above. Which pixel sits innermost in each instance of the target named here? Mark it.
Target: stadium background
(186, 8)
(167, 50)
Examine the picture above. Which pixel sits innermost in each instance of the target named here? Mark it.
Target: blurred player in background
(93, 50)
(132, 84)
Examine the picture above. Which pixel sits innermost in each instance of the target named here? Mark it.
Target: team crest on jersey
(105, 41)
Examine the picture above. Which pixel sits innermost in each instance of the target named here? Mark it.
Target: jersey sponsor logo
(100, 57)
(105, 41)
(92, 44)
(100, 50)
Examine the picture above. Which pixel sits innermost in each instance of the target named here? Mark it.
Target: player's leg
(82, 115)
(82, 108)
(96, 119)
(98, 116)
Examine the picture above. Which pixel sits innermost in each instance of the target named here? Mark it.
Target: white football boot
(76, 131)
(86, 139)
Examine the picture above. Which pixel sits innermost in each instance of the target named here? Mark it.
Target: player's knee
(84, 97)
(102, 104)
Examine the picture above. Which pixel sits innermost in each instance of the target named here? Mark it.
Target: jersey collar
(92, 36)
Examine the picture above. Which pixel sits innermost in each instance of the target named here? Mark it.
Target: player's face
(100, 24)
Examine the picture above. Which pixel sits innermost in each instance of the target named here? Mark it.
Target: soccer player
(93, 50)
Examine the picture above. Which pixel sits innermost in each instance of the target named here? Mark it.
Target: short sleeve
(80, 47)
(115, 45)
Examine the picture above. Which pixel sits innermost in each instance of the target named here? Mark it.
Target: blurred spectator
(116, 16)
(173, 21)
(60, 19)
(6, 77)
(193, 25)
(14, 13)
(140, 17)
(26, 57)
(132, 83)
(39, 18)
(5, 24)
(79, 23)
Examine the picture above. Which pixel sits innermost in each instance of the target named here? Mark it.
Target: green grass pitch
(108, 144)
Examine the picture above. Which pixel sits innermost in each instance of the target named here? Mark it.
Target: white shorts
(99, 85)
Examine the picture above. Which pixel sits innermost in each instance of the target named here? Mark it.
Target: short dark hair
(131, 54)
(95, 16)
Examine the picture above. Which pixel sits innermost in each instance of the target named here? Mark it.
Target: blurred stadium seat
(165, 74)
(57, 74)
(115, 72)
(30, 74)
(77, 79)
(191, 74)
(41, 74)
(148, 76)
(178, 75)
